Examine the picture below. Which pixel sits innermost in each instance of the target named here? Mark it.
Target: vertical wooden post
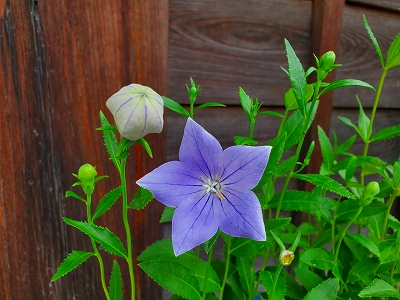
(59, 62)
(325, 36)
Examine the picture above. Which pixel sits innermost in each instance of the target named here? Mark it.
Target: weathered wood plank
(389, 5)
(59, 62)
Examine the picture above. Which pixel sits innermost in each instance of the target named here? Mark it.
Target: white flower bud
(137, 111)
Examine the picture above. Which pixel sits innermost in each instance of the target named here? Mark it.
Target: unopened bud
(86, 174)
(286, 257)
(371, 190)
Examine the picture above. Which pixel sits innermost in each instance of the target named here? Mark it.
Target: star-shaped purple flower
(210, 189)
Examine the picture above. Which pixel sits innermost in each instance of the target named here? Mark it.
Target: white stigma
(213, 186)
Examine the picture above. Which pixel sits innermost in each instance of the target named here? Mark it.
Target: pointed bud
(371, 190)
(137, 110)
(326, 64)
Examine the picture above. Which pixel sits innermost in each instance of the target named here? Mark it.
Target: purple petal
(244, 165)
(240, 215)
(194, 223)
(172, 184)
(200, 150)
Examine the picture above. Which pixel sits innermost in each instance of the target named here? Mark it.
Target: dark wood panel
(225, 44)
(390, 5)
(360, 61)
(59, 62)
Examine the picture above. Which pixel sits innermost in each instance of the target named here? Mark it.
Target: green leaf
(374, 41)
(386, 133)
(175, 106)
(209, 104)
(106, 202)
(297, 78)
(270, 113)
(363, 122)
(278, 226)
(160, 250)
(326, 290)
(362, 269)
(346, 145)
(348, 208)
(267, 280)
(74, 195)
(108, 240)
(348, 122)
(141, 199)
(115, 289)
(307, 278)
(293, 128)
(290, 99)
(364, 241)
(174, 277)
(167, 214)
(318, 258)
(146, 146)
(344, 83)
(246, 247)
(393, 55)
(301, 201)
(236, 287)
(379, 288)
(110, 141)
(326, 148)
(243, 140)
(246, 274)
(71, 262)
(246, 102)
(326, 183)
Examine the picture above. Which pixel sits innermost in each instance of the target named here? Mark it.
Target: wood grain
(59, 62)
(389, 5)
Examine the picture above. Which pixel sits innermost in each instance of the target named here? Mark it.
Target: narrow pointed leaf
(245, 101)
(115, 289)
(270, 113)
(106, 202)
(379, 288)
(243, 140)
(362, 269)
(71, 262)
(344, 83)
(393, 55)
(175, 106)
(74, 195)
(386, 133)
(374, 41)
(301, 201)
(364, 241)
(326, 183)
(326, 148)
(363, 122)
(326, 290)
(307, 278)
(108, 240)
(167, 214)
(110, 141)
(290, 99)
(209, 104)
(141, 199)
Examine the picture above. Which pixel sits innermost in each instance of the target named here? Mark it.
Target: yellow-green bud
(326, 64)
(286, 257)
(86, 174)
(371, 190)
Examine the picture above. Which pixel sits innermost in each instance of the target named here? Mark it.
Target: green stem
(263, 265)
(345, 231)
(127, 227)
(278, 272)
(389, 205)
(334, 225)
(96, 251)
(227, 261)
(252, 122)
(210, 253)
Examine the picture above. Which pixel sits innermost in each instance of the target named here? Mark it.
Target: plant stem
(345, 231)
(263, 265)
(210, 253)
(389, 205)
(96, 251)
(278, 272)
(127, 228)
(227, 261)
(252, 122)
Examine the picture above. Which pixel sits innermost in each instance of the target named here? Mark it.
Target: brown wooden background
(61, 60)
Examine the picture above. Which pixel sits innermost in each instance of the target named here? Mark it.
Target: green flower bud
(137, 110)
(326, 64)
(86, 174)
(286, 257)
(371, 190)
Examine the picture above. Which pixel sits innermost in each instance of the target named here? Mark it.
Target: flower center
(213, 186)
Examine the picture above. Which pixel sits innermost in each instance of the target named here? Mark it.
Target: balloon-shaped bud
(86, 174)
(286, 257)
(137, 111)
(326, 64)
(371, 190)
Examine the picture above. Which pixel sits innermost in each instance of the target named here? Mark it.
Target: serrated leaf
(167, 214)
(374, 41)
(106, 202)
(160, 250)
(361, 269)
(267, 280)
(246, 273)
(364, 241)
(363, 122)
(386, 133)
(326, 183)
(307, 278)
(244, 140)
(246, 102)
(245, 247)
(297, 78)
(237, 290)
(115, 289)
(393, 55)
(326, 290)
(379, 288)
(318, 258)
(301, 201)
(71, 262)
(174, 277)
(141, 199)
(346, 145)
(175, 106)
(345, 83)
(290, 99)
(348, 208)
(74, 195)
(326, 148)
(108, 240)
(110, 141)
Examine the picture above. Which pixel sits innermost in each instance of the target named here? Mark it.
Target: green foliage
(106, 202)
(141, 199)
(71, 262)
(115, 287)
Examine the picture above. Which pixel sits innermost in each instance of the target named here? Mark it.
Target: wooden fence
(61, 60)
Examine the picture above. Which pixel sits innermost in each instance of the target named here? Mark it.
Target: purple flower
(210, 189)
